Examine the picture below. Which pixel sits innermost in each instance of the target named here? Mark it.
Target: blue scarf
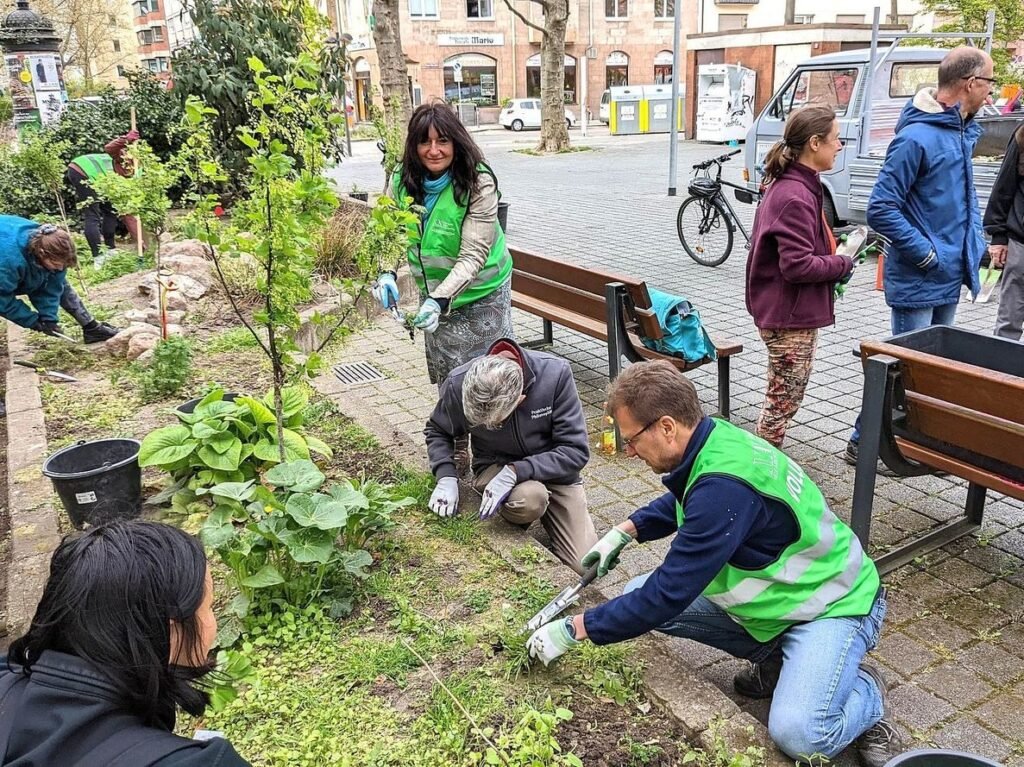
(433, 189)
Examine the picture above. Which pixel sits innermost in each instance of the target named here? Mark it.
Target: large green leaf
(215, 395)
(261, 413)
(266, 450)
(319, 511)
(295, 446)
(218, 409)
(293, 400)
(166, 446)
(298, 476)
(354, 562)
(309, 545)
(236, 491)
(218, 530)
(267, 576)
(223, 441)
(208, 429)
(226, 461)
(319, 446)
(349, 496)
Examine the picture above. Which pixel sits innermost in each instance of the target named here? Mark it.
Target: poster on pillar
(23, 98)
(48, 84)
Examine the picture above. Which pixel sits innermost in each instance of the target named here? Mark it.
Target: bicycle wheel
(704, 230)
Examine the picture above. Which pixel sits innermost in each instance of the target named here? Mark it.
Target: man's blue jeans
(905, 320)
(823, 700)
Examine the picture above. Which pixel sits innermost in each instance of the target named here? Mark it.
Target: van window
(833, 87)
(907, 79)
(606, 97)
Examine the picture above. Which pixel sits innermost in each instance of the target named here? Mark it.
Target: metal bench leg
(617, 342)
(975, 506)
(545, 340)
(723, 388)
(876, 373)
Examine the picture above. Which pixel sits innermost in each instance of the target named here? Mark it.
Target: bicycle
(706, 222)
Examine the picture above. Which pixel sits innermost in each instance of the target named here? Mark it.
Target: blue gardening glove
(606, 552)
(428, 317)
(444, 501)
(551, 641)
(497, 491)
(385, 290)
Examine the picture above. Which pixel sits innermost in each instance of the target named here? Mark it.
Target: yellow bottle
(608, 436)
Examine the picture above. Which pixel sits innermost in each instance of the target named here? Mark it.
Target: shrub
(6, 109)
(338, 247)
(21, 194)
(168, 371)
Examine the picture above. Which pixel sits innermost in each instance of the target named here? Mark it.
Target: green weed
(641, 754)
(229, 341)
(480, 600)
(168, 371)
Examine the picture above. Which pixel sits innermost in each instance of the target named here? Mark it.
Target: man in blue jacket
(529, 440)
(759, 567)
(33, 263)
(924, 201)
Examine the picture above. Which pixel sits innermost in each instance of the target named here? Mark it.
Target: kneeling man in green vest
(759, 567)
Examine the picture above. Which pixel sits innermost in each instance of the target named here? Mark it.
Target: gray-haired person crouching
(529, 442)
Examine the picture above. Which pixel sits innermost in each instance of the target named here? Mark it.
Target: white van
(604, 111)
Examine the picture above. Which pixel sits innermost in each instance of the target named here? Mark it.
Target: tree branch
(523, 19)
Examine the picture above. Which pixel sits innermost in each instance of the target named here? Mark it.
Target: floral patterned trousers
(790, 354)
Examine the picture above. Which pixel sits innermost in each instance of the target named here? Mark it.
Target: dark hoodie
(545, 438)
(66, 713)
(924, 201)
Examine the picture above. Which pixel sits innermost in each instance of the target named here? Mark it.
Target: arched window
(616, 69)
(479, 79)
(663, 68)
(533, 78)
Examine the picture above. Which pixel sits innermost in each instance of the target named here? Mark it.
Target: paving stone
(967, 735)
(923, 586)
(934, 630)
(975, 614)
(918, 709)
(993, 663)
(903, 654)
(960, 573)
(1004, 595)
(961, 687)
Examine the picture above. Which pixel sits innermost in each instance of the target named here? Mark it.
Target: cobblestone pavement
(952, 645)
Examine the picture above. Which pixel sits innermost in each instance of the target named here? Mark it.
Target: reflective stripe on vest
(436, 247)
(824, 573)
(93, 165)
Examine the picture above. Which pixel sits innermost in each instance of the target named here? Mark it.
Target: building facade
(730, 15)
(151, 33)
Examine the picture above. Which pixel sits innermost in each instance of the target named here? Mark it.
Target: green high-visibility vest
(436, 244)
(823, 574)
(94, 165)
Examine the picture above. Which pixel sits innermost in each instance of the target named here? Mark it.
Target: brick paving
(952, 644)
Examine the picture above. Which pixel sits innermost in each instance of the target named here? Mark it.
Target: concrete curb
(682, 693)
(35, 532)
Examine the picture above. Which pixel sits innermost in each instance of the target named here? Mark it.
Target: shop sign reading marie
(471, 39)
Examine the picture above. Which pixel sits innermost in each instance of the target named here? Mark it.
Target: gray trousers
(1011, 294)
(72, 304)
(562, 509)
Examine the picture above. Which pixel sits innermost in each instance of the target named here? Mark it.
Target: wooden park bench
(941, 399)
(603, 305)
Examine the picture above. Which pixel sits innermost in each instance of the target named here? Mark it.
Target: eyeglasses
(990, 80)
(629, 442)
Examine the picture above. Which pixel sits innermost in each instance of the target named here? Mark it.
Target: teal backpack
(683, 334)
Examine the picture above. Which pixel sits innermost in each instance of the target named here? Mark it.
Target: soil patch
(5, 515)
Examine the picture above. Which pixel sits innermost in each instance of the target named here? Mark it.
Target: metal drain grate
(353, 373)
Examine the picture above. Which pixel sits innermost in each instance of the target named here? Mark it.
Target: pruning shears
(44, 372)
(397, 314)
(560, 603)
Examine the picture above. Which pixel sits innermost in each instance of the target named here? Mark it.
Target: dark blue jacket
(727, 521)
(924, 201)
(20, 275)
(66, 713)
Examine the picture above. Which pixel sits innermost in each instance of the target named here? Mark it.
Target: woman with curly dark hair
(120, 640)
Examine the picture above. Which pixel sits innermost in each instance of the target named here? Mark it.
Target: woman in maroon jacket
(792, 269)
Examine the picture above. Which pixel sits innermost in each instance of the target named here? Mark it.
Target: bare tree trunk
(394, 75)
(554, 134)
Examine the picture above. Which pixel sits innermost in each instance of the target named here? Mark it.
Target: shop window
(423, 9)
(533, 78)
(663, 68)
(480, 9)
(616, 70)
(664, 9)
(616, 9)
(479, 80)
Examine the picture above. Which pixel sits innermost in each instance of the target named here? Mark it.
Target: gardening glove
(551, 641)
(132, 135)
(385, 290)
(497, 491)
(46, 326)
(444, 501)
(428, 317)
(606, 552)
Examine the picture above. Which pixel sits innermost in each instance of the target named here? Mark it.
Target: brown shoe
(758, 680)
(881, 742)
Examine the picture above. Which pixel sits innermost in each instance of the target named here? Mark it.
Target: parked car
(604, 111)
(525, 113)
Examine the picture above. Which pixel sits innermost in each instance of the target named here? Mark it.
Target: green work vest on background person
(94, 165)
(439, 242)
(823, 574)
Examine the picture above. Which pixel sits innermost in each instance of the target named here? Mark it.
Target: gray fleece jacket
(545, 439)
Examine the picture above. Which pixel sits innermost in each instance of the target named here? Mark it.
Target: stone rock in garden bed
(199, 269)
(187, 286)
(151, 315)
(141, 343)
(191, 248)
(119, 343)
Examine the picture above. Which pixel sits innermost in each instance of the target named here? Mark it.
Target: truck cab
(839, 80)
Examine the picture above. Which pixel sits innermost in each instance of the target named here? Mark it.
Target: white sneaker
(102, 258)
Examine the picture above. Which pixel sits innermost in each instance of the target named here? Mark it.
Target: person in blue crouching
(34, 259)
(121, 639)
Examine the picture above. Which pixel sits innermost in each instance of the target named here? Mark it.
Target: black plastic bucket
(503, 216)
(188, 407)
(933, 757)
(97, 481)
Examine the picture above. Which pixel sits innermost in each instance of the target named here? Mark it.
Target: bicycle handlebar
(716, 160)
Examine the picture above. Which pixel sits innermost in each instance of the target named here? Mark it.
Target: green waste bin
(933, 757)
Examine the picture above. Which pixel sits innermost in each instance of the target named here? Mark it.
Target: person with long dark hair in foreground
(121, 639)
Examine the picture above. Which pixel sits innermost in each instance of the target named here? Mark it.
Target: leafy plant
(6, 109)
(531, 742)
(233, 670)
(20, 194)
(721, 754)
(286, 538)
(168, 371)
(41, 158)
(222, 441)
